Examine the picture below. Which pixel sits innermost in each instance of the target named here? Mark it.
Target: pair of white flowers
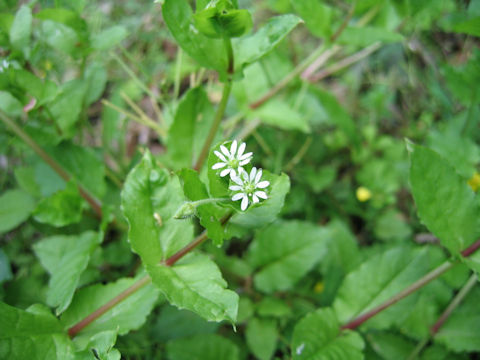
(247, 187)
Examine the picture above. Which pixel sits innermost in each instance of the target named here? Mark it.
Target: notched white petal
(238, 196)
(233, 148)
(255, 199)
(241, 149)
(263, 184)
(218, 166)
(225, 172)
(220, 155)
(237, 180)
(245, 156)
(225, 151)
(259, 176)
(235, 187)
(253, 172)
(244, 204)
(261, 194)
(244, 162)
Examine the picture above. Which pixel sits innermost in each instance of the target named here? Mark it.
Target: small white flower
(232, 160)
(248, 185)
(5, 64)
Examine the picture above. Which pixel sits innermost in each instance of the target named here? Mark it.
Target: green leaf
(63, 16)
(470, 27)
(460, 331)
(68, 104)
(34, 334)
(317, 336)
(204, 347)
(173, 324)
(5, 271)
(150, 190)
(96, 77)
(59, 36)
(21, 29)
(390, 346)
(209, 213)
(364, 36)
(127, 315)
(42, 90)
(219, 23)
(274, 307)
(284, 252)
(195, 283)
(337, 115)
(209, 53)
(83, 164)
(280, 114)
(101, 344)
(317, 16)
(109, 38)
(378, 279)
(65, 258)
(266, 211)
(10, 104)
(190, 126)
(15, 208)
(445, 203)
(62, 208)
(249, 49)
(261, 336)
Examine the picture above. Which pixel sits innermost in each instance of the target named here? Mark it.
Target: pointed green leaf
(445, 202)
(195, 283)
(62, 208)
(249, 49)
(208, 52)
(317, 16)
(261, 336)
(317, 336)
(15, 208)
(378, 279)
(150, 199)
(10, 104)
(204, 347)
(190, 126)
(280, 114)
(209, 213)
(109, 38)
(21, 29)
(284, 252)
(128, 315)
(33, 335)
(65, 258)
(460, 331)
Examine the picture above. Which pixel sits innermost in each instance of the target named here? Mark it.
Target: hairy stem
(94, 203)
(432, 275)
(221, 107)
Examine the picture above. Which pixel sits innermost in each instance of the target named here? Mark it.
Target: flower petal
(220, 155)
(253, 172)
(262, 184)
(255, 199)
(225, 151)
(237, 180)
(238, 196)
(245, 156)
(261, 194)
(244, 204)
(233, 148)
(259, 176)
(233, 173)
(218, 166)
(244, 175)
(241, 149)
(245, 162)
(225, 172)
(235, 187)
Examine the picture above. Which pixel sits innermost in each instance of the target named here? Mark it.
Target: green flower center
(233, 164)
(249, 188)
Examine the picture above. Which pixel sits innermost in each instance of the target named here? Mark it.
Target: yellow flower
(474, 181)
(363, 194)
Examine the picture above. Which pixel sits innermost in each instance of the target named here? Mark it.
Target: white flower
(248, 185)
(5, 64)
(232, 160)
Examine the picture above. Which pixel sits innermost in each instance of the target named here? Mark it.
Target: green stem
(221, 107)
(432, 275)
(445, 315)
(94, 203)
